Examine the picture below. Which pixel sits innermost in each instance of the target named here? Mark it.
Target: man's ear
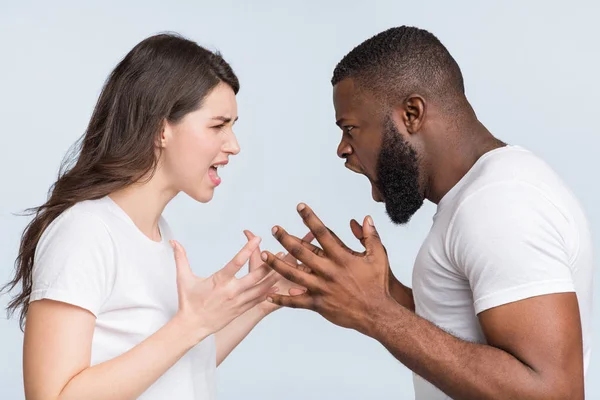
(411, 113)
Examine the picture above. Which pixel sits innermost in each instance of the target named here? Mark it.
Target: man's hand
(282, 285)
(402, 294)
(346, 287)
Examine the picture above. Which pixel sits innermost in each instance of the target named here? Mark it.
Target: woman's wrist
(189, 332)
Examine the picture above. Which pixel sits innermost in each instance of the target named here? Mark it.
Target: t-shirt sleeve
(74, 262)
(512, 243)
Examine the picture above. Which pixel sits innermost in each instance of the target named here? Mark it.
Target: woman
(111, 314)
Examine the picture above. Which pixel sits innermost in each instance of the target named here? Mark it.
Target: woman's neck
(144, 203)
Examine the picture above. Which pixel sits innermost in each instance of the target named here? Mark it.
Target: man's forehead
(344, 91)
(346, 98)
(349, 98)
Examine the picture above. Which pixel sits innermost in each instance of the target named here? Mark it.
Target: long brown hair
(162, 78)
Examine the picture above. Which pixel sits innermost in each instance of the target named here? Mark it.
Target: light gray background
(531, 74)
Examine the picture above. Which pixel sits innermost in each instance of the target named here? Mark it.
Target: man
(500, 306)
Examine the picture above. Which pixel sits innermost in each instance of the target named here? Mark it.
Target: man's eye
(348, 129)
(219, 127)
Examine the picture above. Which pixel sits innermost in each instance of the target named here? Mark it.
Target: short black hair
(401, 61)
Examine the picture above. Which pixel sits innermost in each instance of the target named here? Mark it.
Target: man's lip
(354, 169)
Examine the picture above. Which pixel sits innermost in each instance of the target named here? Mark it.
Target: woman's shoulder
(75, 259)
(83, 224)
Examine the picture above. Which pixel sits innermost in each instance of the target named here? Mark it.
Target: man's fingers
(314, 249)
(343, 245)
(306, 242)
(295, 247)
(305, 301)
(309, 237)
(372, 240)
(296, 291)
(291, 273)
(321, 232)
(357, 230)
(240, 258)
(305, 268)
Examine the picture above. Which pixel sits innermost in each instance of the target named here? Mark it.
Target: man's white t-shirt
(510, 229)
(93, 256)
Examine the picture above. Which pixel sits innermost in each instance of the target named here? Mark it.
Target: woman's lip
(214, 177)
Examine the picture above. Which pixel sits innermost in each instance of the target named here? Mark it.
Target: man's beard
(398, 175)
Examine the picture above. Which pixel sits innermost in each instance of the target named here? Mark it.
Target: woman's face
(197, 146)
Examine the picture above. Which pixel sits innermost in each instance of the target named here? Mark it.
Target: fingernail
(301, 206)
(274, 290)
(270, 299)
(263, 256)
(370, 221)
(173, 245)
(280, 255)
(274, 230)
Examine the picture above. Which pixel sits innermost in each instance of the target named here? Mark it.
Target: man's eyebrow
(339, 122)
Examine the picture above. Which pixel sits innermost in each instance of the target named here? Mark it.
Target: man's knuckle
(296, 251)
(317, 304)
(320, 231)
(290, 276)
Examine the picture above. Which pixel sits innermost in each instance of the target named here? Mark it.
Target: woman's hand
(206, 305)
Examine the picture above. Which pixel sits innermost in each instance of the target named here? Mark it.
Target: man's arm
(402, 294)
(534, 344)
(534, 350)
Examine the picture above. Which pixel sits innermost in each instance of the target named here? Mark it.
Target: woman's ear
(163, 137)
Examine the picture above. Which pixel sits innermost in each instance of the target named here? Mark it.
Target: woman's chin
(202, 195)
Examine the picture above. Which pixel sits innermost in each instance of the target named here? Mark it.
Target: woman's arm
(58, 336)
(57, 352)
(229, 337)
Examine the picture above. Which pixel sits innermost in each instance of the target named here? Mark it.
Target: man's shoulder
(517, 175)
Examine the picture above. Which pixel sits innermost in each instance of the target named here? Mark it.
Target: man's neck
(454, 158)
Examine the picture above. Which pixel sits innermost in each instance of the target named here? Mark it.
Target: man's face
(373, 146)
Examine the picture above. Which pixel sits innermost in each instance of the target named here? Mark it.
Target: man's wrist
(396, 288)
(380, 315)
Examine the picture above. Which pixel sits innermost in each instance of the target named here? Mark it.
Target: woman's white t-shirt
(93, 256)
